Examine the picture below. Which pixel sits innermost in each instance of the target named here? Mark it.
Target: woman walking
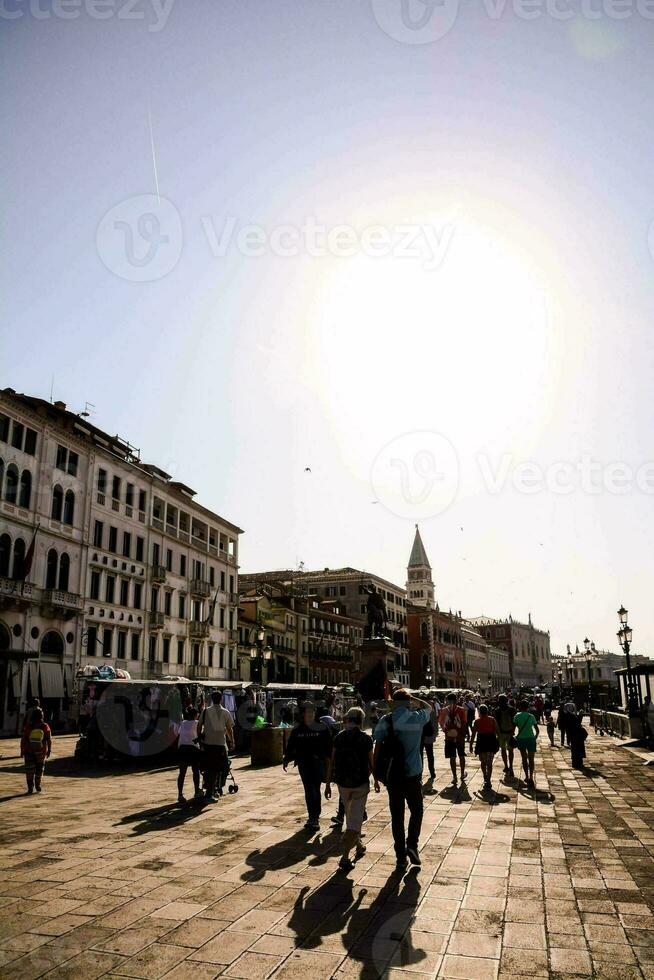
(188, 753)
(525, 740)
(485, 742)
(350, 767)
(35, 747)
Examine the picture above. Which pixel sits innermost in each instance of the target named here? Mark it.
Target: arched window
(51, 570)
(52, 644)
(69, 507)
(57, 503)
(19, 558)
(25, 494)
(424, 632)
(5, 551)
(64, 572)
(11, 486)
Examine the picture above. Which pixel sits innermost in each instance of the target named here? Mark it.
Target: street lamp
(625, 634)
(560, 684)
(260, 653)
(589, 647)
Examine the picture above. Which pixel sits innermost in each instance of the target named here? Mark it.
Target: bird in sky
(307, 469)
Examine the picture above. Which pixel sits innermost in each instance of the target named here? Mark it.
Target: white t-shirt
(187, 732)
(215, 719)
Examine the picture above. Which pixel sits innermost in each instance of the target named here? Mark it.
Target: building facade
(436, 648)
(348, 588)
(530, 661)
(126, 568)
(577, 671)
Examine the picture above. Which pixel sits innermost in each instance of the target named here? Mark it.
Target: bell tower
(419, 584)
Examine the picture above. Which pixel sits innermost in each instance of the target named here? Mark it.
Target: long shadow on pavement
(374, 934)
(287, 852)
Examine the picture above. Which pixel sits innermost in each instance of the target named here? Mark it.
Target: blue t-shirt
(408, 727)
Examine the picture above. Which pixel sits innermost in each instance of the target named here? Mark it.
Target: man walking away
(350, 767)
(454, 722)
(504, 717)
(216, 733)
(402, 727)
(310, 747)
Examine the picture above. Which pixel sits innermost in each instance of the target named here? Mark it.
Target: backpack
(35, 739)
(389, 764)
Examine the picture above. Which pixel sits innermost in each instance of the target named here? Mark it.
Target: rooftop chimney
(61, 406)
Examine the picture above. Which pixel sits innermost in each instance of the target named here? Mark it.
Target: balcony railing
(197, 672)
(158, 573)
(62, 600)
(200, 588)
(232, 635)
(21, 591)
(156, 620)
(198, 629)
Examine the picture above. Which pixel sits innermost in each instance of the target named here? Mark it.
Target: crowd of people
(402, 740)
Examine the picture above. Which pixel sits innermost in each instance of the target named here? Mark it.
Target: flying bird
(307, 469)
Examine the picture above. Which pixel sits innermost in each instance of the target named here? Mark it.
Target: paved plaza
(103, 876)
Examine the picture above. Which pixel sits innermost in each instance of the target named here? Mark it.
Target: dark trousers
(312, 775)
(429, 752)
(215, 768)
(408, 791)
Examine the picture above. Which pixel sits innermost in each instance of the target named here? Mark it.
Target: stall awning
(34, 678)
(52, 680)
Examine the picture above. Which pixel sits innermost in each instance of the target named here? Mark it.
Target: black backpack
(351, 758)
(389, 763)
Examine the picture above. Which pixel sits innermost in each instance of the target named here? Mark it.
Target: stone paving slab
(103, 876)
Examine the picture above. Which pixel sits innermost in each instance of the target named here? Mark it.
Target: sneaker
(312, 825)
(401, 862)
(198, 794)
(38, 789)
(30, 790)
(336, 822)
(413, 856)
(360, 851)
(455, 781)
(181, 800)
(210, 798)
(345, 864)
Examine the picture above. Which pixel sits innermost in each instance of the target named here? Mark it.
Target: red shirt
(484, 725)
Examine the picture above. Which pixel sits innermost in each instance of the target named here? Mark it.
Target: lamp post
(589, 647)
(625, 634)
(560, 684)
(260, 653)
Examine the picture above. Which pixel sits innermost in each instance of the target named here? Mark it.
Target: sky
(348, 267)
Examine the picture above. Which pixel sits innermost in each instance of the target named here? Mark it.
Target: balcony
(156, 620)
(232, 635)
(68, 601)
(197, 672)
(232, 598)
(198, 629)
(20, 593)
(158, 573)
(200, 588)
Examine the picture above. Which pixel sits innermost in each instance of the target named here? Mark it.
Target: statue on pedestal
(377, 615)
